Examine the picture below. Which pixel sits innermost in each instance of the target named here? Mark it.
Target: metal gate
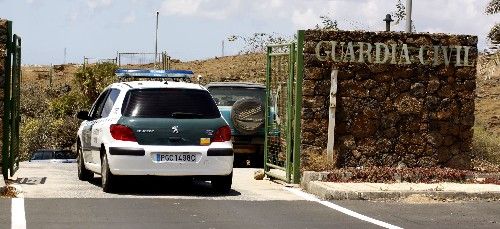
(11, 102)
(283, 111)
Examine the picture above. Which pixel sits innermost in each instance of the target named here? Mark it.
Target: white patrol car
(155, 128)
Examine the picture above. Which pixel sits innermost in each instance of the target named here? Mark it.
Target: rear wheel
(108, 179)
(83, 173)
(223, 184)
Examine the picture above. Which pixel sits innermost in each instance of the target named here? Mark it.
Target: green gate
(11, 102)
(283, 110)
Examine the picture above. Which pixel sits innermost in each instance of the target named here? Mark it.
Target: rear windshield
(227, 96)
(169, 103)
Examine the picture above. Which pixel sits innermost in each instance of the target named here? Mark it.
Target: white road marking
(346, 211)
(18, 216)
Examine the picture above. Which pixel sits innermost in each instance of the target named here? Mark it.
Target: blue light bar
(145, 73)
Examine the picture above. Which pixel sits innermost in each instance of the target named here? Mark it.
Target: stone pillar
(402, 99)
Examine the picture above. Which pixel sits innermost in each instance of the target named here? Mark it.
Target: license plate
(175, 157)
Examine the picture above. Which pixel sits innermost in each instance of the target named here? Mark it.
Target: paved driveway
(55, 198)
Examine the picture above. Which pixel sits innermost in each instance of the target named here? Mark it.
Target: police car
(163, 127)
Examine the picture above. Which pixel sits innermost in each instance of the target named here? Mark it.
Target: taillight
(122, 133)
(222, 134)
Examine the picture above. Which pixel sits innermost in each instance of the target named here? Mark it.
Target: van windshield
(227, 96)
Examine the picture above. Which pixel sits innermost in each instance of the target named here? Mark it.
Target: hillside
(251, 68)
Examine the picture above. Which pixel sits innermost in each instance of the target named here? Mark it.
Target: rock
(407, 104)
(367, 146)
(433, 86)
(347, 142)
(308, 87)
(313, 101)
(418, 90)
(460, 162)
(259, 174)
(364, 126)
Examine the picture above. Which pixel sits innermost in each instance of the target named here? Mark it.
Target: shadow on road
(164, 186)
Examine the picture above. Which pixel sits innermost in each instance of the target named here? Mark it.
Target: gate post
(6, 119)
(11, 76)
(298, 106)
(266, 113)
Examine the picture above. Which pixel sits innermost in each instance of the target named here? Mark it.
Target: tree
(400, 12)
(493, 7)
(327, 23)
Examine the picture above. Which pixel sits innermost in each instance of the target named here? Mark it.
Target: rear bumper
(215, 160)
(248, 144)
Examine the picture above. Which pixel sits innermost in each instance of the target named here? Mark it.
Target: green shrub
(94, 78)
(48, 114)
(68, 105)
(47, 132)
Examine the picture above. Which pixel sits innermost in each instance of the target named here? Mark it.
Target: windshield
(227, 96)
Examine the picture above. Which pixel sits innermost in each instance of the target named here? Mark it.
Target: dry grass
(486, 149)
(248, 68)
(317, 162)
(8, 192)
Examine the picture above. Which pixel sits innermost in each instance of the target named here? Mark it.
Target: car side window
(47, 155)
(109, 102)
(37, 156)
(60, 155)
(97, 107)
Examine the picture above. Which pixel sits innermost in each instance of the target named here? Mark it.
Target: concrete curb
(2, 181)
(324, 192)
(311, 182)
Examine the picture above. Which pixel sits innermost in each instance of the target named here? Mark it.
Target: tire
(108, 179)
(247, 115)
(83, 173)
(222, 184)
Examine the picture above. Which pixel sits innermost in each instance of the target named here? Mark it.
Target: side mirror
(83, 115)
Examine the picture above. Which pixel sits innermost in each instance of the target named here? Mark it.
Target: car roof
(157, 84)
(235, 84)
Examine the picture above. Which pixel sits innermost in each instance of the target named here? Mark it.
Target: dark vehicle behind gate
(242, 105)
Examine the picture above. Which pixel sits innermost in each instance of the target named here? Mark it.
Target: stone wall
(391, 114)
(3, 50)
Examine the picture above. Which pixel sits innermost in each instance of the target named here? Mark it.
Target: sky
(195, 29)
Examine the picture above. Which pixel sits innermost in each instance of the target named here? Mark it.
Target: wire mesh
(143, 60)
(278, 88)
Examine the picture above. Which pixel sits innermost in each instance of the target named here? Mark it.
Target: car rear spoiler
(185, 75)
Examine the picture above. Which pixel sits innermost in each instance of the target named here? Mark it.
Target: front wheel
(223, 184)
(83, 173)
(108, 179)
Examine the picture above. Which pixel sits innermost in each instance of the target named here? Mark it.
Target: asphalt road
(55, 198)
(469, 214)
(4, 213)
(183, 213)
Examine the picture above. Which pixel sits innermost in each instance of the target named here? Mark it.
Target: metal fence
(11, 117)
(89, 60)
(283, 111)
(144, 60)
